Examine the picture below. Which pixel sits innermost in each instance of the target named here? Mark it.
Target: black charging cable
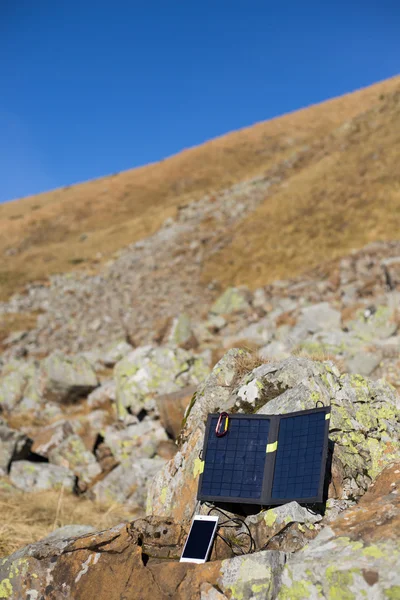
(234, 523)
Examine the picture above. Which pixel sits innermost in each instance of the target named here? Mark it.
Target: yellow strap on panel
(327, 416)
(272, 447)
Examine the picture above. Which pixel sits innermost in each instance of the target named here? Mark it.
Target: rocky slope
(349, 550)
(99, 421)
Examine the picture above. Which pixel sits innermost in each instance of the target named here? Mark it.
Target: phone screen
(199, 539)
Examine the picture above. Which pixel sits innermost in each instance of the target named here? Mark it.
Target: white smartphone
(200, 539)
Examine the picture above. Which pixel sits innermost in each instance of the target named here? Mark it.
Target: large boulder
(173, 490)
(114, 352)
(182, 334)
(364, 424)
(115, 564)
(233, 300)
(135, 440)
(37, 477)
(72, 454)
(48, 438)
(319, 317)
(65, 379)
(19, 383)
(357, 555)
(128, 483)
(147, 372)
(172, 407)
(376, 324)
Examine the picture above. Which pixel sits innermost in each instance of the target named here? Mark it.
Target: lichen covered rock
(36, 477)
(364, 424)
(72, 454)
(147, 372)
(356, 556)
(231, 301)
(65, 378)
(128, 483)
(19, 382)
(174, 489)
(135, 440)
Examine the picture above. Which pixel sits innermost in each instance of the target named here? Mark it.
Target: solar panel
(298, 463)
(234, 464)
(266, 459)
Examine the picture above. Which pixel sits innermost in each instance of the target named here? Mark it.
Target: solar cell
(266, 459)
(234, 464)
(299, 456)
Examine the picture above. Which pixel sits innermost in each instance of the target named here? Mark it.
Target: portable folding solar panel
(259, 459)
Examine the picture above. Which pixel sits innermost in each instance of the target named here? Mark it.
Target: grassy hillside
(344, 192)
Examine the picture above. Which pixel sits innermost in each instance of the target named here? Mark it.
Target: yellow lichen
(270, 517)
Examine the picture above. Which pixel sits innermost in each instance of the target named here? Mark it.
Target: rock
(15, 337)
(357, 555)
(253, 576)
(275, 350)
(215, 323)
(319, 317)
(260, 299)
(65, 379)
(339, 343)
(105, 458)
(182, 334)
(112, 564)
(365, 424)
(147, 372)
(160, 538)
(209, 592)
(50, 437)
(166, 449)
(115, 352)
(72, 454)
(103, 395)
(134, 441)
(128, 483)
(172, 407)
(288, 386)
(364, 363)
(233, 300)
(18, 380)
(391, 269)
(380, 324)
(173, 491)
(69, 531)
(35, 477)
(14, 445)
(267, 524)
(90, 426)
(258, 333)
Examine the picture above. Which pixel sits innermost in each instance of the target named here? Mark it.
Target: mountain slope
(85, 224)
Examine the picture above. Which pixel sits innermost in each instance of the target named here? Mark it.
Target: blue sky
(89, 88)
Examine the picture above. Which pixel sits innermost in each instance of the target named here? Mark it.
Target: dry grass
(339, 199)
(286, 318)
(320, 356)
(246, 362)
(26, 518)
(45, 231)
